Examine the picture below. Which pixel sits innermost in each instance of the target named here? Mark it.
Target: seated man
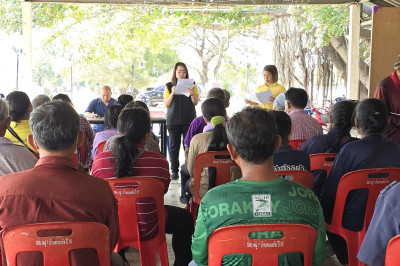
(253, 139)
(385, 225)
(55, 191)
(98, 107)
(13, 158)
(39, 100)
(304, 126)
(286, 158)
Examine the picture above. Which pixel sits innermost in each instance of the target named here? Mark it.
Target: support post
(353, 62)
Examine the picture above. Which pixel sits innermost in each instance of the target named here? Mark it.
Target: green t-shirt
(232, 204)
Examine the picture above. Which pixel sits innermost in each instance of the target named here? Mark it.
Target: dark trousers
(180, 224)
(176, 132)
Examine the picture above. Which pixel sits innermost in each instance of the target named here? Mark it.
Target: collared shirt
(102, 136)
(56, 191)
(275, 89)
(98, 107)
(14, 158)
(149, 164)
(304, 126)
(23, 131)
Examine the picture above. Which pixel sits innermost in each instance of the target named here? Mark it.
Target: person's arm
(384, 225)
(200, 241)
(89, 112)
(381, 94)
(194, 95)
(168, 97)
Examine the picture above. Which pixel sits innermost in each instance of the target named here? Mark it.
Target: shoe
(174, 176)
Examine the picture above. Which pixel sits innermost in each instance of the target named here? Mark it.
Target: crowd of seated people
(257, 140)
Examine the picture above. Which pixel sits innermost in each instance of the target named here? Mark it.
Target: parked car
(152, 96)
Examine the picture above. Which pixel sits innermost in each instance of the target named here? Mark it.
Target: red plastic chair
(100, 147)
(296, 144)
(127, 190)
(304, 178)
(322, 161)
(55, 248)
(374, 180)
(222, 161)
(392, 257)
(264, 251)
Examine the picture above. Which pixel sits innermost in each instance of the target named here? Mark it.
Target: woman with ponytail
(130, 159)
(372, 151)
(212, 139)
(341, 122)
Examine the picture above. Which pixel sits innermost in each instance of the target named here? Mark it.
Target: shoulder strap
(366, 163)
(15, 135)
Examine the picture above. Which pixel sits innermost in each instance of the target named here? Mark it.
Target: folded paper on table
(182, 87)
(260, 97)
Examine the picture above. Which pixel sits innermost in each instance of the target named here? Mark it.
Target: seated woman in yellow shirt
(20, 110)
(270, 83)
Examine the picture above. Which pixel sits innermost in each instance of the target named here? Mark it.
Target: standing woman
(180, 113)
(270, 83)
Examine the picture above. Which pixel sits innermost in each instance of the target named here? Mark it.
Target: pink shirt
(304, 126)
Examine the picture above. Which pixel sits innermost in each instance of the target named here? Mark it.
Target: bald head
(106, 94)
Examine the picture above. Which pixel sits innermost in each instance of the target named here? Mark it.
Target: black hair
(252, 132)
(39, 100)
(19, 104)
(213, 107)
(137, 104)
(111, 116)
(55, 125)
(216, 93)
(272, 69)
(174, 80)
(283, 125)
(133, 124)
(341, 116)
(297, 97)
(124, 99)
(62, 97)
(371, 115)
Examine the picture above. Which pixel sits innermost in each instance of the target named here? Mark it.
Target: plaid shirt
(304, 126)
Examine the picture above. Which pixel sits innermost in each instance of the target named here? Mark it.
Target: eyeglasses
(181, 71)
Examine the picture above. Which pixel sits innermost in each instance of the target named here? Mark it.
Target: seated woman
(215, 139)
(286, 158)
(20, 111)
(341, 122)
(129, 158)
(372, 151)
(110, 121)
(152, 141)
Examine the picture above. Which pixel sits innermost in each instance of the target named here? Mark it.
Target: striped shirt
(14, 158)
(149, 164)
(304, 126)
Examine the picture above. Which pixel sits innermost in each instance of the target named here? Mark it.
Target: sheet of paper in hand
(183, 85)
(260, 97)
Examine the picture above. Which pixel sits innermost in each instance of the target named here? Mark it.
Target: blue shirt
(98, 107)
(288, 159)
(347, 160)
(385, 225)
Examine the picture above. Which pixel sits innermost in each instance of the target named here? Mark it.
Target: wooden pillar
(353, 63)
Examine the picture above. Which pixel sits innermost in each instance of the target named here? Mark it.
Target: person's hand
(191, 91)
(247, 101)
(272, 99)
(173, 89)
(95, 115)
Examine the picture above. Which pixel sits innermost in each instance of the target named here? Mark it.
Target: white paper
(264, 96)
(182, 87)
(252, 97)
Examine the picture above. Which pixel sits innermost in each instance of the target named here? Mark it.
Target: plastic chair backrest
(322, 161)
(221, 160)
(392, 257)
(296, 144)
(55, 248)
(264, 251)
(304, 178)
(100, 147)
(372, 179)
(127, 190)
